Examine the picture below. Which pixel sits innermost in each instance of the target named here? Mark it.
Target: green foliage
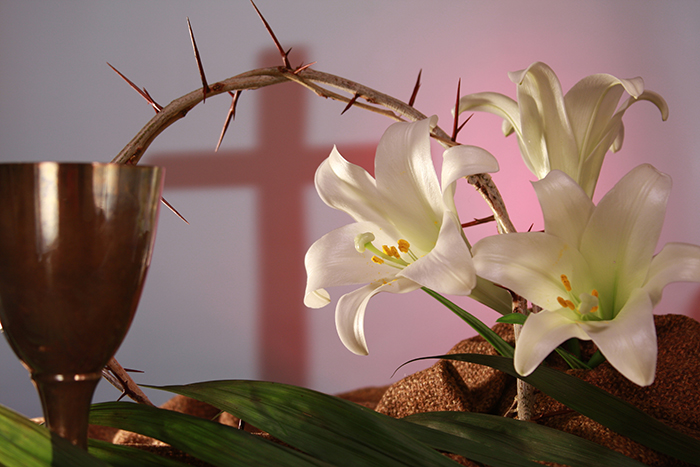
(599, 405)
(23, 443)
(501, 346)
(529, 440)
(324, 430)
(209, 441)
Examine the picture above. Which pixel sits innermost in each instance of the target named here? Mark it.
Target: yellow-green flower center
(585, 304)
(398, 256)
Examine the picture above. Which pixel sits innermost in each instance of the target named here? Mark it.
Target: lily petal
(531, 264)
(651, 96)
(571, 132)
(350, 312)
(447, 268)
(629, 341)
(676, 262)
(407, 183)
(348, 187)
(606, 132)
(333, 260)
(540, 335)
(463, 161)
(544, 122)
(623, 231)
(494, 103)
(566, 208)
(590, 105)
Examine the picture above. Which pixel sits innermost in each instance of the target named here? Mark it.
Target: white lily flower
(592, 270)
(571, 132)
(407, 234)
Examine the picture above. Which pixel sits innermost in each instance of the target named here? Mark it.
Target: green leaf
(23, 443)
(501, 346)
(535, 442)
(493, 296)
(341, 432)
(571, 360)
(598, 405)
(596, 359)
(323, 426)
(512, 318)
(125, 456)
(212, 442)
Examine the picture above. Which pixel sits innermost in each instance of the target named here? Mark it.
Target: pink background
(223, 297)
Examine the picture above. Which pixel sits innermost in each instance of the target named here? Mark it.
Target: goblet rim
(77, 164)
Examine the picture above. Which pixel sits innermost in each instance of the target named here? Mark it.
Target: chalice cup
(75, 243)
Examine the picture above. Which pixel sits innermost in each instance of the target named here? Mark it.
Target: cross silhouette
(281, 167)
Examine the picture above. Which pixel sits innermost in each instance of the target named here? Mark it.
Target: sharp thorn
(285, 55)
(157, 107)
(412, 100)
(350, 103)
(455, 130)
(301, 68)
(229, 117)
(464, 123)
(205, 86)
(169, 206)
(479, 221)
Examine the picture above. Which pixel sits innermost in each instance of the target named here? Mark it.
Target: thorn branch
(157, 107)
(455, 129)
(205, 86)
(350, 103)
(285, 55)
(229, 117)
(483, 220)
(416, 87)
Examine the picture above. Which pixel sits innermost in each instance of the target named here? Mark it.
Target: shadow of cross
(280, 167)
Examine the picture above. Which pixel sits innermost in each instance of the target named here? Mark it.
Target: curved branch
(262, 77)
(315, 81)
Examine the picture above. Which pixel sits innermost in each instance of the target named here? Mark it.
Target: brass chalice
(75, 242)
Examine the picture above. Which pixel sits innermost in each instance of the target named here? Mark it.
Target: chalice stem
(66, 400)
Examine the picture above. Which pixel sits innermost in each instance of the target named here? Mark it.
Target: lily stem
(525, 392)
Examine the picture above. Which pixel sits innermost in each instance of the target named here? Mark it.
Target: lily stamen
(565, 281)
(405, 247)
(391, 251)
(387, 255)
(584, 304)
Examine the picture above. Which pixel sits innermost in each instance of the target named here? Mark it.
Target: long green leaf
(209, 441)
(126, 456)
(498, 343)
(598, 405)
(533, 441)
(325, 427)
(490, 447)
(23, 443)
(339, 431)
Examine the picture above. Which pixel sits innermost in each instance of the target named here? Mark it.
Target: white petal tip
(317, 299)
